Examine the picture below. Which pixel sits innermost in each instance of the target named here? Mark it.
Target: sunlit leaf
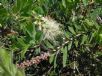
(65, 55)
(52, 58)
(70, 45)
(84, 38)
(71, 30)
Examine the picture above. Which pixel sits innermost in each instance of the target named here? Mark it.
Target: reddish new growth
(34, 60)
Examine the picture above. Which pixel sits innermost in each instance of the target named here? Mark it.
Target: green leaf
(92, 36)
(39, 36)
(31, 30)
(37, 51)
(5, 60)
(24, 49)
(39, 10)
(23, 45)
(70, 45)
(84, 38)
(52, 58)
(48, 44)
(20, 4)
(20, 72)
(64, 3)
(85, 2)
(64, 51)
(71, 30)
(55, 60)
(67, 34)
(21, 41)
(7, 68)
(76, 43)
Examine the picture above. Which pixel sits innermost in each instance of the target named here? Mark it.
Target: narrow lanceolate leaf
(55, 64)
(92, 36)
(48, 44)
(70, 45)
(64, 51)
(67, 34)
(76, 43)
(18, 5)
(84, 38)
(52, 58)
(71, 30)
(24, 49)
(64, 3)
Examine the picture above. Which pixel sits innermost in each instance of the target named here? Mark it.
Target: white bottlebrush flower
(50, 28)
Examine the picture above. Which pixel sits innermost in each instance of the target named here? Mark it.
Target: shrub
(51, 37)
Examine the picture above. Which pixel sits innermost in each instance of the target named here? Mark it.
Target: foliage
(51, 37)
(7, 68)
